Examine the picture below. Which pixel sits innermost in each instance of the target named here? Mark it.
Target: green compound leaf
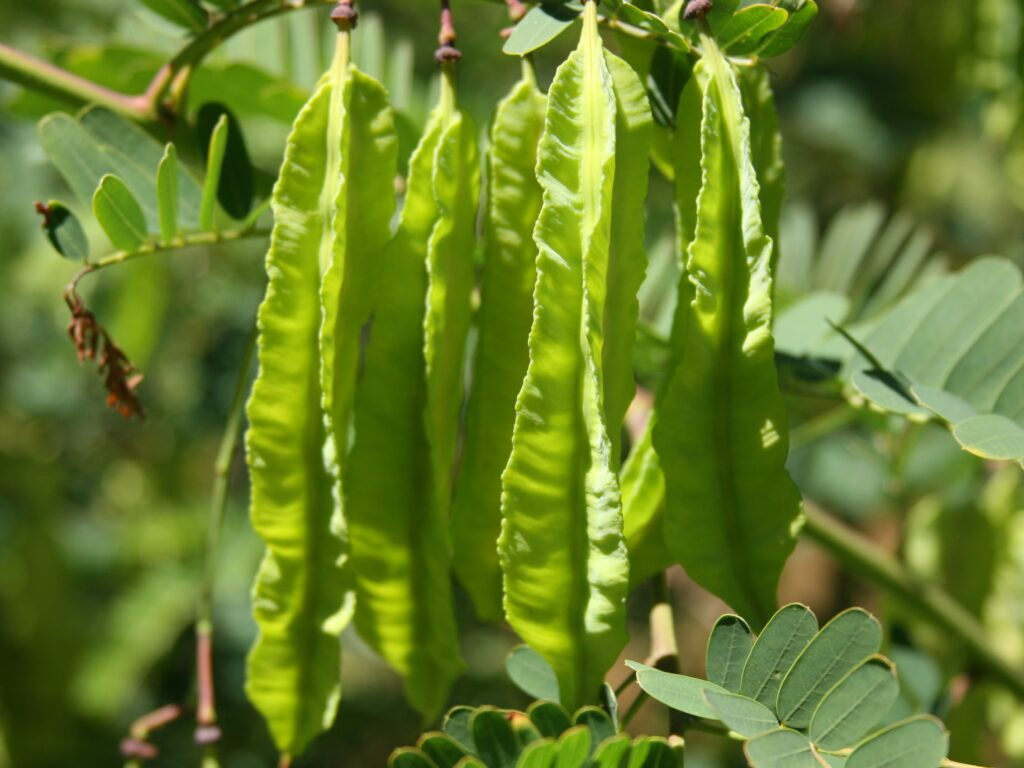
(531, 674)
(542, 24)
(855, 705)
(549, 718)
(728, 647)
(119, 213)
(442, 749)
(494, 738)
(167, 193)
(502, 353)
(745, 716)
(561, 548)
(135, 156)
(731, 508)
(64, 231)
(977, 384)
(398, 527)
(782, 749)
(184, 13)
(921, 742)
(841, 645)
(677, 691)
(780, 643)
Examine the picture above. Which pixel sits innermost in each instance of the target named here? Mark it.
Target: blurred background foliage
(896, 113)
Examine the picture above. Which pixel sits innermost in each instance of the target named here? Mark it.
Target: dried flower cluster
(92, 342)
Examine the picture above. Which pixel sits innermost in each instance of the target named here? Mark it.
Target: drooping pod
(398, 483)
(561, 547)
(331, 208)
(502, 354)
(719, 431)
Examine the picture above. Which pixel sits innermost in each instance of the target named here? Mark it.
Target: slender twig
(927, 599)
(43, 77)
(164, 93)
(178, 244)
(207, 731)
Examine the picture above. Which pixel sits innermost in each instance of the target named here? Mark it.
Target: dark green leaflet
(731, 508)
(561, 547)
(303, 595)
(394, 507)
(502, 355)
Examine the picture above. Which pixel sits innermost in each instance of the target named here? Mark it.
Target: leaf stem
(177, 244)
(928, 600)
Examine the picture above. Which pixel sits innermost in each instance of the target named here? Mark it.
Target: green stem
(928, 600)
(179, 243)
(206, 715)
(164, 94)
(43, 77)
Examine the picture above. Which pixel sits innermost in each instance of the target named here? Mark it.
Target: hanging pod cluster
(353, 434)
(376, 477)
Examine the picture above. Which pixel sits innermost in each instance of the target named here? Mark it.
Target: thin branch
(207, 730)
(164, 93)
(930, 601)
(178, 244)
(43, 77)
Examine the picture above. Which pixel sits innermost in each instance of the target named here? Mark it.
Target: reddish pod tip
(697, 8)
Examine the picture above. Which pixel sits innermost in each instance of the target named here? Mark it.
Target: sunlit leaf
(542, 24)
(119, 213)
